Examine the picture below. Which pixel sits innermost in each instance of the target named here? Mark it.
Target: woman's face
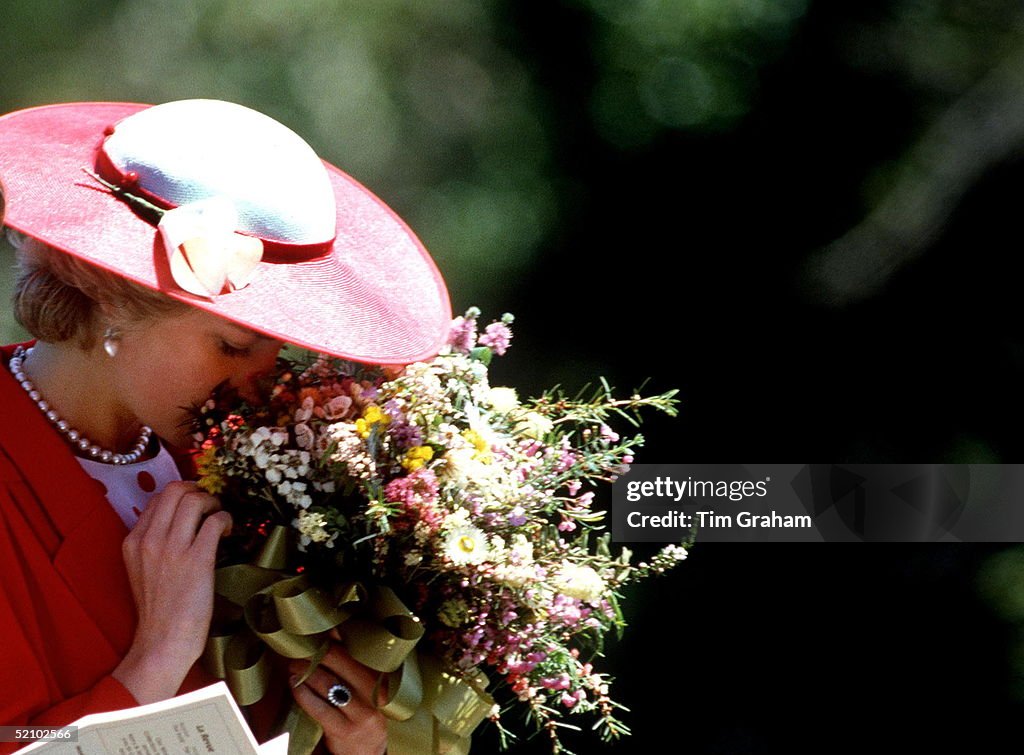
(167, 366)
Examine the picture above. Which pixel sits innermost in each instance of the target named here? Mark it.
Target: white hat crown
(190, 150)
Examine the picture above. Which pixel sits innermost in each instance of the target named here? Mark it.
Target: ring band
(339, 695)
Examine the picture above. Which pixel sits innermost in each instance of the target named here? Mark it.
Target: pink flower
(304, 436)
(562, 681)
(569, 699)
(305, 411)
(417, 492)
(337, 407)
(462, 335)
(497, 336)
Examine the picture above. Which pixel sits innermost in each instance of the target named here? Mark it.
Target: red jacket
(67, 616)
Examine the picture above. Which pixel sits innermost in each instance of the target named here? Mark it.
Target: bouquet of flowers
(437, 520)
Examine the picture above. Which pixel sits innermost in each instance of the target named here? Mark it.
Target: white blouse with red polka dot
(129, 487)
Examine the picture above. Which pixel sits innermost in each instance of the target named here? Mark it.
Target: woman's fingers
(355, 727)
(189, 515)
(172, 518)
(161, 507)
(215, 526)
(170, 557)
(313, 704)
(322, 680)
(344, 666)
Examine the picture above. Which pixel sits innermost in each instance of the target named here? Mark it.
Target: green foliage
(10, 330)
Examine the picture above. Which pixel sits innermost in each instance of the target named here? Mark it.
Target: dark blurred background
(801, 213)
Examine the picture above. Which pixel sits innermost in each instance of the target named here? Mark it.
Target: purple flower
(406, 435)
(517, 517)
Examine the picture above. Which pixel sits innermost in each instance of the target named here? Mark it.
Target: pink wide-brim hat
(340, 272)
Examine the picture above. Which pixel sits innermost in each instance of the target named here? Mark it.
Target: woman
(163, 251)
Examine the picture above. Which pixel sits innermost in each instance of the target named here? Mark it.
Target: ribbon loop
(429, 709)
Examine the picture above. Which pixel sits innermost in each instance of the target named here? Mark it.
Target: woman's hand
(356, 728)
(170, 556)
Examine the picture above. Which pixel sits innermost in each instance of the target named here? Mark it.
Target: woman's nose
(250, 375)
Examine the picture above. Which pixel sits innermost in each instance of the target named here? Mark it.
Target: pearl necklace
(75, 438)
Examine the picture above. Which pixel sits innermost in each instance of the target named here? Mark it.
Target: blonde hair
(58, 297)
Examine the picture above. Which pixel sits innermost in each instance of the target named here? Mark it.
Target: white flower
(465, 544)
(516, 567)
(515, 576)
(421, 533)
(262, 458)
(349, 449)
(580, 582)
(676, 552)
(311, 527)
(534, 425)
(259, 435)
(458, 518)
(460, 466)
(521, 551)
(502, 399)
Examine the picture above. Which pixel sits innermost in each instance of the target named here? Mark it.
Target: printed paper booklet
(205, 721)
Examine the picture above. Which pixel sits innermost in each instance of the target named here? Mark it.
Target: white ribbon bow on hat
(205, 252)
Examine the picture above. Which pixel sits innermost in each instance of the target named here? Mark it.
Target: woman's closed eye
(231, 350)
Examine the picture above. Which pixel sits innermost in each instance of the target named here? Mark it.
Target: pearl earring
(111, 341)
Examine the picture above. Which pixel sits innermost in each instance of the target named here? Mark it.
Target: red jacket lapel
(88, 533)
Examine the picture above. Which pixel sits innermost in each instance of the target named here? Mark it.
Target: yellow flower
(210, 477)
(480, 445)
(372, 415)
(416, 457)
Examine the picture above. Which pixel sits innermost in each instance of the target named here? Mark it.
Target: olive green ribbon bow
(430, 709)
